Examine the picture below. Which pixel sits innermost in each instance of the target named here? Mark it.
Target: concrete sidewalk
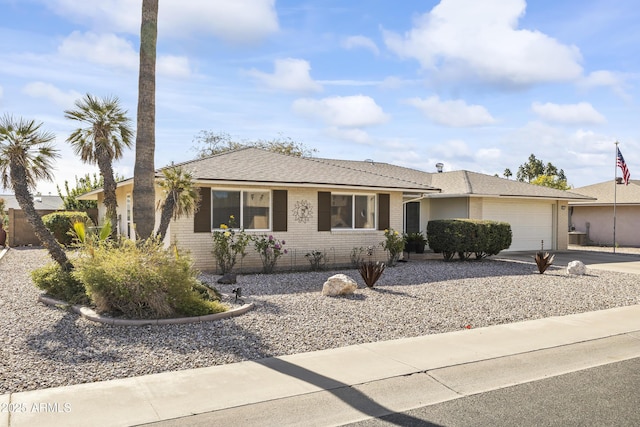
(338, 386)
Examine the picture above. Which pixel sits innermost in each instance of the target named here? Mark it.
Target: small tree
(551, 181)
(537, 173)
(209, 143)
(26, 156)
(181, 197)
(106, 133)
(83, 185)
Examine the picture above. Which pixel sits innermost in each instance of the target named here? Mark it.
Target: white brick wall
(300, 238)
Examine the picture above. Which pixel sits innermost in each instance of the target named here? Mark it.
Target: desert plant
(269, 249)
(371, 272)
(318, 259)
(394, 244)
(228, 243)
(543, 260)
(143, 280)
(59, 284)
(415, 242)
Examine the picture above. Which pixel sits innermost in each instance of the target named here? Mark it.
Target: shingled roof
(250, 165)
(462, 183)
(604, 194)
(255, 165)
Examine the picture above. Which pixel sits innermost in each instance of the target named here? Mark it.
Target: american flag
(625, 170)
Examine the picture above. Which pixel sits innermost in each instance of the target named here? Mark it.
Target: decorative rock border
(90, 314)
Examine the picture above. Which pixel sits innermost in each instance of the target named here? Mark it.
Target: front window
(349, 211)
(250, 208)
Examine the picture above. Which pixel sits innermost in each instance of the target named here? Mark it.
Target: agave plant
(371, 272)
(543, 260)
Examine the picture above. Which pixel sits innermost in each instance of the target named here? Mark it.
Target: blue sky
(476, 85)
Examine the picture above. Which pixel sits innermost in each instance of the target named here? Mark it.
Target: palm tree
(26, 156)
(103, 140)
(181, 197)
(144, 170)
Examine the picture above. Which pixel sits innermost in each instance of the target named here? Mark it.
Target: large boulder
(339, 284)
(576, 268)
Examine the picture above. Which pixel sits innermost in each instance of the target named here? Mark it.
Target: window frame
(240, 220)
(353, 211)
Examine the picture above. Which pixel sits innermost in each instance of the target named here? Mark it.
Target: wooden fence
(20, 232)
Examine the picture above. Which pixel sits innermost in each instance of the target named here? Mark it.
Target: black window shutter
(383, 211)
(324, 211)
(279, 210)
(202, 218)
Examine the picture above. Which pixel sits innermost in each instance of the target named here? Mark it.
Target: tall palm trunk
(144, 170)
(25, 200)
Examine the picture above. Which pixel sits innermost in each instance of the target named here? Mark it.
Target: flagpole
(615, 190)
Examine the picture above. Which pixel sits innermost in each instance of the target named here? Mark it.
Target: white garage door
(531, 222)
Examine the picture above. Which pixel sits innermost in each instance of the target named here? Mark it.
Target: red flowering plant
(269, 249)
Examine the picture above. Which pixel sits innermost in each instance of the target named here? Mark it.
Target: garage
(531, 222)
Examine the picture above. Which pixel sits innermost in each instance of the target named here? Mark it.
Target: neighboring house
(50, 203)
(20, 232)
(595, 217)
(337, 205)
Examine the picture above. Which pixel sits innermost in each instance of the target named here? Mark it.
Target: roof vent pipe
(439, 167)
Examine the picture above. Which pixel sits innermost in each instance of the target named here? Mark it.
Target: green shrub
(61, 224)
(59, 284)
(467, 237)
(143, 281)
(393, 243)
(228, 243)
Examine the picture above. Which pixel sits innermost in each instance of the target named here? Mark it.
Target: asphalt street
(602, 396)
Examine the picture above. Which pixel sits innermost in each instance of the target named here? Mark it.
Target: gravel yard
(44, 346)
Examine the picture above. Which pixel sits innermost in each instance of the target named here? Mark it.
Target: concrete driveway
(600, 260)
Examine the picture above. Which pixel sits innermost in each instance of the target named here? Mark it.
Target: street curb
(91, 315)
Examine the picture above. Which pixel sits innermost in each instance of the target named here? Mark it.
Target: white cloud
(581, 113)
(114, 51)
(238, 21)
(103, 49)
(289, 74)
(605, 78)
(360, 42)
(356, 135)
(453, 149)
(482, 38)
(452, 113)
(342, 111)
(52, 93)
(173, 66)
(1, 92)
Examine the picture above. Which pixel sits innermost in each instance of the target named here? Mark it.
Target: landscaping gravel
(45, 346)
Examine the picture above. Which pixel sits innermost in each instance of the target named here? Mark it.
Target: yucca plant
(543, 260)
(87, 239)
(371, 272)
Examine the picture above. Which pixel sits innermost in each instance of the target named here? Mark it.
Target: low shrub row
(467, 237)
